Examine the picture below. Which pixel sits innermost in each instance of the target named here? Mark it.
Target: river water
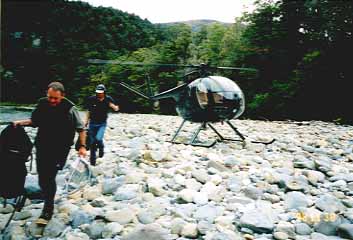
(10, 113)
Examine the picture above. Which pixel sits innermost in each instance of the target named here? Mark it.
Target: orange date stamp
(316, 218)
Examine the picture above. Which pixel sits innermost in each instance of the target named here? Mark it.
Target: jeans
(95, 136)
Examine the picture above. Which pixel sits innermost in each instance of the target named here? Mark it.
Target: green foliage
(298, 47)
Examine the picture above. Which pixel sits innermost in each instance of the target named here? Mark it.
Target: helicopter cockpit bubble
(219, 95)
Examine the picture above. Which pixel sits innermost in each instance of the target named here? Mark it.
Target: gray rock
(145, 217)
(185, 211)
(226, 236)
(123, 194)
(345, 231)
(231, 161)
(204, 227)
(252, 192)
(348, 202)
(280, 235)
(94, 230)
(323, 164)
(347, 177)
(14, 231)
(303, 229)
(7, 209)
(176, 225)
(329, 203)
(76, 236)
(109, 186)
(147, 232)
(286, 227)
(98, 203)
(123, 216)
(295, 200)
(54, 228)
(206, 212)
(200, 175)
(189, 230)
(303, 162)
(234, 183)
(327, 226)
(111, 230)
(80, 217)
(22, 215)
(261, 219)
(219, 166)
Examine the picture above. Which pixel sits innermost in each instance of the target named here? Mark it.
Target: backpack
(15, 150)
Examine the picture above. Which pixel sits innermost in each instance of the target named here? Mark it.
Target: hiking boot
(46, 215)
(101, 152)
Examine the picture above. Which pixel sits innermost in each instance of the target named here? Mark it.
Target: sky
(162, 11)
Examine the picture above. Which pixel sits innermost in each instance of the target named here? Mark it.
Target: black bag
(15, 150)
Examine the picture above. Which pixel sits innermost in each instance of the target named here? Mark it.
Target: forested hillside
(300, 48)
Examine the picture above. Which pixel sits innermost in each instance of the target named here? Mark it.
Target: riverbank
(299, 187)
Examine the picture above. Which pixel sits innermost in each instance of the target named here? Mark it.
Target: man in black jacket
(57, 120)
(98, 106)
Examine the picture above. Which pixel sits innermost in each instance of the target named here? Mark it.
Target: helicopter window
(217, 98)
(201, 94)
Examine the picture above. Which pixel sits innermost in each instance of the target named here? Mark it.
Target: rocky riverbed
(299, 187)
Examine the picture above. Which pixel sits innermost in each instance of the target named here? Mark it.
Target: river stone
(177, 225)
(123, 216)
(302, 229)
(328, 227)
(111, 230)
(329, 203)
(94, 230)
(345, 231)
(109, 186)
(295, 200)
(280, 236)
(189, 230)
(147, 232)
(260, 219)
(79, 218)
(145, 217)
(54, 228)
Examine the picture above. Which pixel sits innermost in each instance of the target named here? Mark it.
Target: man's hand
(82, 152)
(22, 122)
(114, 107)
(16, 123)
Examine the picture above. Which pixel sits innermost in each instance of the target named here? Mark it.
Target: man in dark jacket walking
(98, 106)
(57, 119)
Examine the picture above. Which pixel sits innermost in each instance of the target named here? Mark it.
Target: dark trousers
(49, 160)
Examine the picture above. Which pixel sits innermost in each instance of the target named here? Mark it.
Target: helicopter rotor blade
(199, 66)
(237, 68)
(100, 61)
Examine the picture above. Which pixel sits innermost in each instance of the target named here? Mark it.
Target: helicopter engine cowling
(211, 99)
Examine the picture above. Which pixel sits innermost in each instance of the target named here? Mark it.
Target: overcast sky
(161, 11)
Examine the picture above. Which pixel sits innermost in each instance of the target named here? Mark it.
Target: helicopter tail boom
(171, 93)
(141, 94)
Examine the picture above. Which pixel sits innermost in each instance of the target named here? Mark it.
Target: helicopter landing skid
(242, 138)
(194, 142)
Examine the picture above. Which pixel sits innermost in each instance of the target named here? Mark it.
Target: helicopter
(205, 100)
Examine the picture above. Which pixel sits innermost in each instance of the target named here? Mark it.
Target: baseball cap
(100, 88)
